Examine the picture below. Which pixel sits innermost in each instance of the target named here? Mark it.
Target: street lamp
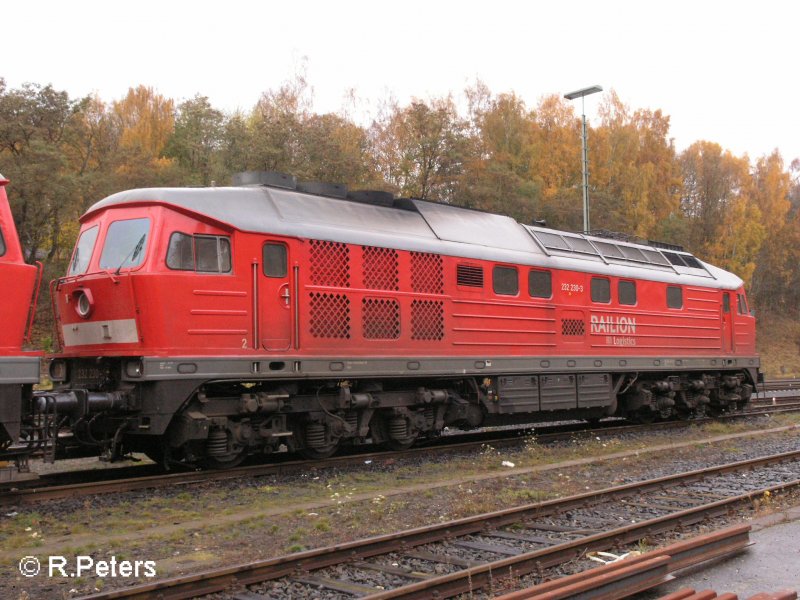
(585, 150)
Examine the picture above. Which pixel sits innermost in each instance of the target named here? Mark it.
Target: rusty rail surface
(478, 576)
(690, 594)
(638, 573)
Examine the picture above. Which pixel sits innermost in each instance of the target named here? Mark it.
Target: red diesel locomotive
(200, 325)
(19, 370)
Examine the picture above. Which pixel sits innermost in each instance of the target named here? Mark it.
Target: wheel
(220, 451)
(405, 444)
(320, 453)
(213, 462)
(645, 416)
(393, 433)
(319, 441)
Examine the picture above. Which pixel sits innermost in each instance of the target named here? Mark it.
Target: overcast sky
(723, 71)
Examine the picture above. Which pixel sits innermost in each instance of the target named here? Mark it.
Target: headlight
(58, 370)
(83, 303)
(134, 368)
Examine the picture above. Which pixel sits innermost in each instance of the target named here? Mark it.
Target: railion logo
(613, 324)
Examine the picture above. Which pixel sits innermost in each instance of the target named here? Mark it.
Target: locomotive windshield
(83, 251)
(126, 243)
(2, 244)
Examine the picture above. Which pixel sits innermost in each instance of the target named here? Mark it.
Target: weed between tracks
(211, 524)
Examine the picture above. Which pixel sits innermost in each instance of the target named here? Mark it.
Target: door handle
(286, 295)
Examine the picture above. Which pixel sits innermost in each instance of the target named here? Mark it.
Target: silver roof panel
(421, 226)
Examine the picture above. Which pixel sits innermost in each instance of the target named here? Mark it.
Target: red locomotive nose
(18, 369)
(17, 280)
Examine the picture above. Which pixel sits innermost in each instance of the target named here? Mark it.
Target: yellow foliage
(146, 120)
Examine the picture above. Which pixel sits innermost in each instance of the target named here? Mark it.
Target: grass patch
(333, 496)
(778, 343)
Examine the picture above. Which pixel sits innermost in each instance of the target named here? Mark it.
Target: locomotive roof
(418, 225)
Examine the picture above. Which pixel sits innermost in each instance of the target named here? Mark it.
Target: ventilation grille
(380, 268)
(427, 320)
(573, 327)
(330, 316)
(469, 276)
(426, 273)
(330, 264)
(380, 318)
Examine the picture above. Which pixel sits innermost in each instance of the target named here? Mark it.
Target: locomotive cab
(96, 304)
(125, 262)
(145, 279)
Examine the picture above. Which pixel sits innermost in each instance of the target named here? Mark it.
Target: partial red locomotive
(19, 370)
(202, 325)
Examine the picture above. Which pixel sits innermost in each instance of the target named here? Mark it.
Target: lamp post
(582, 93)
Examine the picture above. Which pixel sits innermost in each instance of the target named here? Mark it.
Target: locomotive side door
(275, 300)
(728, 344)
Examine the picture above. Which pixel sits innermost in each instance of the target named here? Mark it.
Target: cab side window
(742, 304)
(212, 253)
(180, 254)
(2, 244)
(202, 253)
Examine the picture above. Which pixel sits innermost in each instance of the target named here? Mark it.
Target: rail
(529, 538)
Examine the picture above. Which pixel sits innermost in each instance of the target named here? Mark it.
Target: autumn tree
(497, 169)
(333, 149)
(35, 124)
(635, 176)
(419, 149)
(274, 127)
(145, 121)
(556, 162)
(777, 261)
(724, 222)
(196, 139)
(236, 144)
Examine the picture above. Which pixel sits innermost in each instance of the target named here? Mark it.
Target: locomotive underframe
(206, 416)
(17, 376)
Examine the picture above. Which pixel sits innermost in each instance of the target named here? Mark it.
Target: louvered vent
(330, 264)
(573, 327)
(426, 273)
(380, 318)
(427, 320)
(330, 316)
(380, 268)
(469, 276)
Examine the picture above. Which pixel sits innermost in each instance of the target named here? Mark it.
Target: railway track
(90, 483)
(465, 555)
(779, 384)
